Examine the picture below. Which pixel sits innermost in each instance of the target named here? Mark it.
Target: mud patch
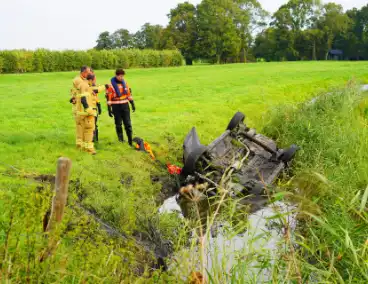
(169, 186)
(47, 181)
(126, 179)
(76, 186)
(151, 238)
(45, 178)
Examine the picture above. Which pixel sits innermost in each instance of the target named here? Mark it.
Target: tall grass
(329, 190)
(85, 253)
(331, 173)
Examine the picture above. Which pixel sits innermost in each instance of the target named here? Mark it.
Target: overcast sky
(75, 24)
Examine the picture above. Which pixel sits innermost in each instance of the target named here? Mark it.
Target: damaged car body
(253, 160)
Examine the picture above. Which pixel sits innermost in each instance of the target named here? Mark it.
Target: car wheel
(235, 121)
(289, 154)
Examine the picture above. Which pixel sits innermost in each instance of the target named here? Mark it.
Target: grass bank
(37, 128)
(329, 190)
(331, 182)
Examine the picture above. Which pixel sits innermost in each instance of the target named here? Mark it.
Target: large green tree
(218, 36)
(150, 36)
(265, 45)
(183, 30)
(295, 15)
(310, 44)
(355, 43)
(249, 17)
(333, 22)
(290, 21)
(232, 30)
(104, 41)
(224, 28)
(121, 39)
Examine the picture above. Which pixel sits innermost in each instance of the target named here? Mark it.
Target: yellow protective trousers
(85, 129)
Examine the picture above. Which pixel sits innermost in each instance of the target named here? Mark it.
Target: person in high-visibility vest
(118, 97)
(80, 82)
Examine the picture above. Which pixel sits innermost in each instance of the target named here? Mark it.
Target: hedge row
(42, 60)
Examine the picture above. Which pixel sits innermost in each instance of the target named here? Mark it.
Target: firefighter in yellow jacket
(86, 112)
(96, 105)
(80, 82)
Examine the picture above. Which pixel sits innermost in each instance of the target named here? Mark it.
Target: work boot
(90, 149)
(119, 132)
(130, 138)
(79, 144)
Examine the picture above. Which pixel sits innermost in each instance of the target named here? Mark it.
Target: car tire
(235, 121)
(289, 154)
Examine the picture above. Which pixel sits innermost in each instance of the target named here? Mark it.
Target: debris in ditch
(173, 170)
(171, 205)
(167, 183)
(194, 202)
(143, 146)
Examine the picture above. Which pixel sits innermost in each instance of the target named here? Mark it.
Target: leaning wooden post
(61, 192)
(58, 202)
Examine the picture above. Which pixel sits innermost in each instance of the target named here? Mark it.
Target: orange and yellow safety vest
(113, 99)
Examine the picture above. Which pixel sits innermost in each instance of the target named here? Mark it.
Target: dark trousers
(122, 115)
(95, 133)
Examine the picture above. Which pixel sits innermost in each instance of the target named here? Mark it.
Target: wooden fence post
(58, 202)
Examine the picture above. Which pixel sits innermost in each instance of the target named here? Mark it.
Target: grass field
(37, 125)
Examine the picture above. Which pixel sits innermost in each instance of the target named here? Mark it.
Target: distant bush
(1, 64)
(43, 60)
(9, 61)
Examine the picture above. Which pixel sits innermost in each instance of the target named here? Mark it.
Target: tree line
(43, 60)
(225, 31)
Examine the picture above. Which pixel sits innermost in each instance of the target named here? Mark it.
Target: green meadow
(37, 128)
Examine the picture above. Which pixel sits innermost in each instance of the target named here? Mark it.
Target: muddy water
(262, 241)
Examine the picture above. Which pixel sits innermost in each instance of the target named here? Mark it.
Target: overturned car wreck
(252, 160)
